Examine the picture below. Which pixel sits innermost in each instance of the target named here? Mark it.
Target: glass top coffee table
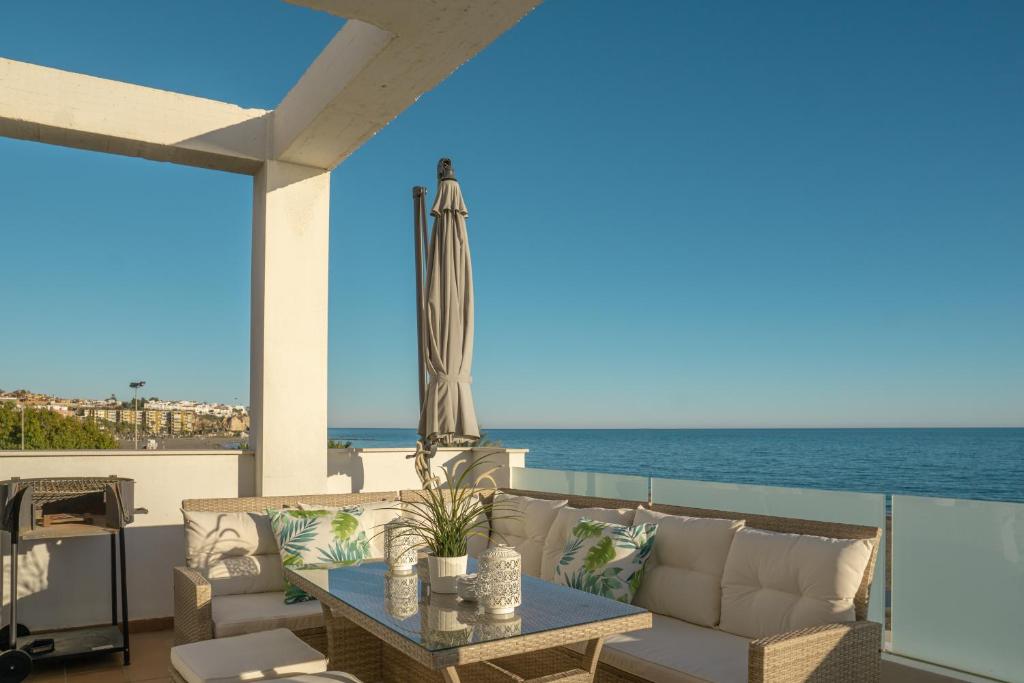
(419, 635)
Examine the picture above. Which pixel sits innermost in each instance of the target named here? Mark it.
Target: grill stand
(76, 642)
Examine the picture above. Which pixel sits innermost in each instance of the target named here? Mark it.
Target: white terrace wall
(67, 583)
(353, 470)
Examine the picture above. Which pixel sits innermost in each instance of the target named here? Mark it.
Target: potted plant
(445, 518)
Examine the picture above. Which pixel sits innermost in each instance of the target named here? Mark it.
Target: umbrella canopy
(447, 415)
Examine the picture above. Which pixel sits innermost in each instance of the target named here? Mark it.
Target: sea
(981, 464)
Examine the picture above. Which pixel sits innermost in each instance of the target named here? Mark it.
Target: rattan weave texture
(835, 653)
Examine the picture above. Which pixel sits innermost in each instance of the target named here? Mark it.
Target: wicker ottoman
(267, 655)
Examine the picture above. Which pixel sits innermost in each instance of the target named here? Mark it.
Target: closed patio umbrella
(447, 415)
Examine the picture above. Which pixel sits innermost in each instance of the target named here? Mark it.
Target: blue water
(985, 464)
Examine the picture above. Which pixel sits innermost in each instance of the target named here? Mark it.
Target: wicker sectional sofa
(213, 601)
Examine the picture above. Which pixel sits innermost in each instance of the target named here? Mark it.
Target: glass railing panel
(624, 486)
(827, 506)
(958, 584)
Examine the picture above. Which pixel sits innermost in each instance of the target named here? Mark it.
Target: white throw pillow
(523, 523)
(213, 536)
(683, 578)
(248, 574)
(606, 559)
(774, 583)
(561, 528)
(372, 521)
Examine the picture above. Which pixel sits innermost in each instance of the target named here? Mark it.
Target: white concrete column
(288, 355)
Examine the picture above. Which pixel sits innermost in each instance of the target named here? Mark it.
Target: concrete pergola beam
(386, 56)
(74, 110)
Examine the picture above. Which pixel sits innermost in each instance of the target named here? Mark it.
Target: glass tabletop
(439, 622)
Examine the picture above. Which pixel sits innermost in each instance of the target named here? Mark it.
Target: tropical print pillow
(606, 559)
(318, 538)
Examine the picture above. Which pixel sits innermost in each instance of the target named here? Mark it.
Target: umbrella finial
(445, 170)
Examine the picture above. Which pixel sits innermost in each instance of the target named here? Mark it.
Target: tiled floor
(150, 659)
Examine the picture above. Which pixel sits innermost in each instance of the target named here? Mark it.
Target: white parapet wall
(67, 583)
(355, 470)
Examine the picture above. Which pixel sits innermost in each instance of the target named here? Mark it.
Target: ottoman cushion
(251, 657)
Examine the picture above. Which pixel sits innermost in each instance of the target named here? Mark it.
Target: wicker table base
(357, 651)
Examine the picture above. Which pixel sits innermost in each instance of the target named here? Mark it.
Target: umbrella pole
(419, 231)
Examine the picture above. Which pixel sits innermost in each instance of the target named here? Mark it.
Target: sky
(695, 214)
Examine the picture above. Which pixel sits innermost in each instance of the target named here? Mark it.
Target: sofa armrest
(193, 611)
(840, 653)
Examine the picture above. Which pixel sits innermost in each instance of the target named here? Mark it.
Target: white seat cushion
(329, 677)
(523, 523)
(252, 657)
(683, 578)
(253, 612)
(565, 520)
(673, 651)
(248, 574)
(212, 536)
(774, 583)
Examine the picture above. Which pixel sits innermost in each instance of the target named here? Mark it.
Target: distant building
(237, 424)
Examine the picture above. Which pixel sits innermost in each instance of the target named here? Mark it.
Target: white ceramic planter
(443, 572)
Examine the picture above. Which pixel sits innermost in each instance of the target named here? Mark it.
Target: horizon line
(683, 429)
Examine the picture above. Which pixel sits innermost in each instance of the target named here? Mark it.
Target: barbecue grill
(54, 508)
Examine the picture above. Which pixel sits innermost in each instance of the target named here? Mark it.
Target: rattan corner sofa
(209, 604)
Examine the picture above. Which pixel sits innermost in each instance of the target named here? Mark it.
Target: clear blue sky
(701, 214)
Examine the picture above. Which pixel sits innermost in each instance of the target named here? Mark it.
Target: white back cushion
(213, 536)
(683, 578)
(565, 520)
(247, 574)
(774, 583)
(523, 523)
(375, 516)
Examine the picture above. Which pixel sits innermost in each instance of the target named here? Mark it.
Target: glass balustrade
(958, 584)
(623, 486)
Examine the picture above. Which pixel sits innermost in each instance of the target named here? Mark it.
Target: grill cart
(56, 508)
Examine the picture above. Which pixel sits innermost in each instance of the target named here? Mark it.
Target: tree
(48, 430)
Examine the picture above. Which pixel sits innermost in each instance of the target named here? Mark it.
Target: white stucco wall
(67, 583)
(352, 470)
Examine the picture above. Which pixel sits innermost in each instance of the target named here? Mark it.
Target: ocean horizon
(981, 463)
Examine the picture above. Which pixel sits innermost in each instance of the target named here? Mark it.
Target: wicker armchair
(193, 595)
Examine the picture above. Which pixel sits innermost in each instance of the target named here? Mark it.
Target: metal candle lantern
(499, 627)
(500, 580)
(399, 547)
(401, 595)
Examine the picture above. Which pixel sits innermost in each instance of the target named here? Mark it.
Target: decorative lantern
(500, 580)
(401, 594)
(445, 622)
(499, 627)
(399, 547)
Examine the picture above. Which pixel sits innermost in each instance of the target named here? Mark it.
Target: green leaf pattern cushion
(318, 538)
(606, 559)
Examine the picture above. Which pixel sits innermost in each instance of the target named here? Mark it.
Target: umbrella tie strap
(444, 377)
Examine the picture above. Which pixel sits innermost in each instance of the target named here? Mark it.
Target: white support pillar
(288, 356)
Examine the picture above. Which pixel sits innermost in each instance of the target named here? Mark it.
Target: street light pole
(134, 386)
(22, 407)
